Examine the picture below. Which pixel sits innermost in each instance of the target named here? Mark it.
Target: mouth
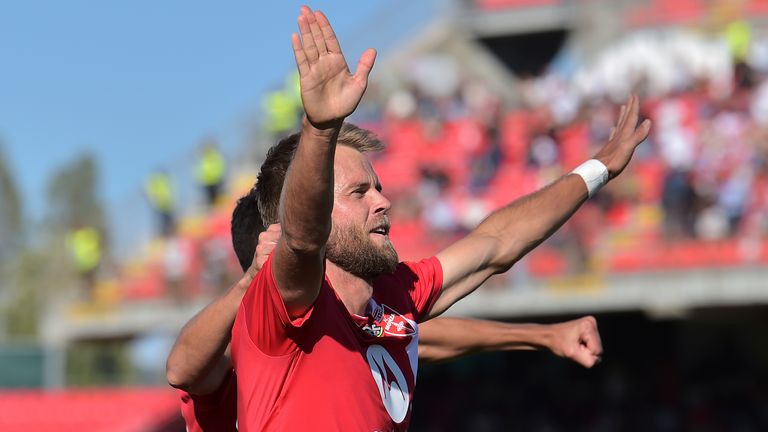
(382, 230)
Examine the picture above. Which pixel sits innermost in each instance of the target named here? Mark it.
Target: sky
(139, 83)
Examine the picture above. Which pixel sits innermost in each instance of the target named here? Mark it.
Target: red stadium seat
(574, 145)
(547, 262)
(515, 137)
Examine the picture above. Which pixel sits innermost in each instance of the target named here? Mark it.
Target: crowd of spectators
(695, 194)
(455, 153)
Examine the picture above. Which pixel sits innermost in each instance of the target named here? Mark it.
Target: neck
(353, 291)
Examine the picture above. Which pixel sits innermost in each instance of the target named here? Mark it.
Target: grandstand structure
(452, 159)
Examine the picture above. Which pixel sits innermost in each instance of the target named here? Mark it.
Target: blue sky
(139, 83)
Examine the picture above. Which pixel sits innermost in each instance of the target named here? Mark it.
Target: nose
(381, 203)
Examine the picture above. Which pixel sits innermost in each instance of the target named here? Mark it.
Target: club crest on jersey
(375, 310)
(395, 324)
(373, 329)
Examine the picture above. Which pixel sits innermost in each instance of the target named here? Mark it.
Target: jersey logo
(387, 321)
(395, 324)
(393, 388)
(373, 329)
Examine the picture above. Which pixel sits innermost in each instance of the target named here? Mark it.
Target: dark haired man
(326, 336)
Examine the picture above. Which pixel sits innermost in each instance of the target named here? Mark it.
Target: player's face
(359, 241)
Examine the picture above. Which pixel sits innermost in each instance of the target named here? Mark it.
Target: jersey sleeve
(426, 282)
(212, 412)
(266, 318)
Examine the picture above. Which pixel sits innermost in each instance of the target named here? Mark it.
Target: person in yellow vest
(211, 170)
(283, 108)
(159, 192)
(84, 244)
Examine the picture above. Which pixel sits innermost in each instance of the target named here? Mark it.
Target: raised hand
(625, 137)
(266, 244)
(577, 340)
(329, 91)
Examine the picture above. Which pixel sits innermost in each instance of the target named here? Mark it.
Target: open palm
(625, 137)
(329, 91)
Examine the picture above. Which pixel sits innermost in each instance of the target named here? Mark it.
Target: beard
(352, 250)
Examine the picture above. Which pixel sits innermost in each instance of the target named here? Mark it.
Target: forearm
(307, 196)
(442, 339)
(521, 226)
(197, 358)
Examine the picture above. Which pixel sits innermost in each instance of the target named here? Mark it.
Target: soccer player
(200, 365)
(326, 336)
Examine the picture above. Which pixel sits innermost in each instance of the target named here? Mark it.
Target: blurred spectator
(176, 262)
(211, 170)
(84, 244)
(159, 192)
(283, 108)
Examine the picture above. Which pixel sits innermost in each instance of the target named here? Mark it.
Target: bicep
(299, 277)
(466, 265)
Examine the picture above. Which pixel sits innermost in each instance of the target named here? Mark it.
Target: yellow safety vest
(158, 189)
(738, 34)
(85, 244)
(281, 111)
(211, 168)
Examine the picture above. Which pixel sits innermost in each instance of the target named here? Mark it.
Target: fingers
(641, 133)
(633, 113)
(633, 133)
(365, 65)
(586, 358)
(259, 263)
(269, 237)
(589, 347)
(263, 249)
(298, 53)
(626, 126)
(274, 227)
(307, 40)
(317, 38)
(620, 121)
(331, 43)
(317, 34)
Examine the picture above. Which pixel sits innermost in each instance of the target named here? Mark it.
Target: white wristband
(594, 173)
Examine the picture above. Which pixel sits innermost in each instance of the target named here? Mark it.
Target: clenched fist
(577, 340)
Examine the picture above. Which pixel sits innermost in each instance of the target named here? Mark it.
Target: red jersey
(330, 370)
(215, 412)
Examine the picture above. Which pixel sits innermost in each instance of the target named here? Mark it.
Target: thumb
(365, 65)
(641, 133)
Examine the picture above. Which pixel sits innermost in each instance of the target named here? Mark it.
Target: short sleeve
(212, 412)
(426, 280)
(266, 318)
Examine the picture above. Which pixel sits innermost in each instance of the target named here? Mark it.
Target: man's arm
(199, 360)
(329, 93)
(442, 339)
(511, 232)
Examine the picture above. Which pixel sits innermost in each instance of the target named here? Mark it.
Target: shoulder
(418, 271)
(409, 274)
